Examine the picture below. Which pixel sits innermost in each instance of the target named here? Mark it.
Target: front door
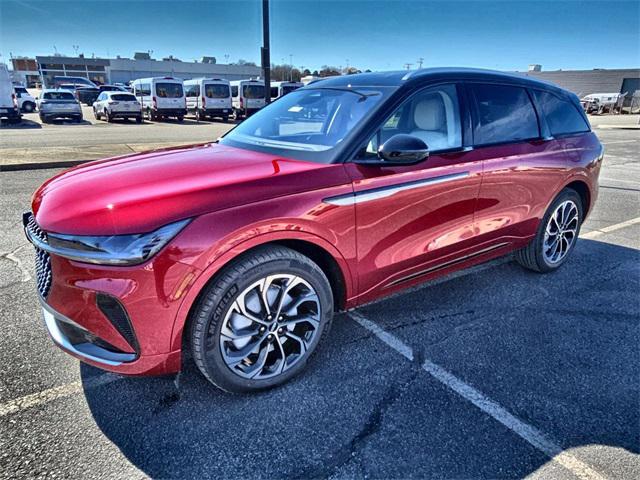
(412, 217)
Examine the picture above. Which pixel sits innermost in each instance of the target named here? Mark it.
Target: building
(123, 70)
(584, 82)
(25, 71)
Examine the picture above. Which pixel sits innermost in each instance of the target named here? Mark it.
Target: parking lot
(494, 372)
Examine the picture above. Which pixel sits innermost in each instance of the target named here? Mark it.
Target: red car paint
(240, 199)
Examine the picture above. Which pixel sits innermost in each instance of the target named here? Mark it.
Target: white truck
(9, 107)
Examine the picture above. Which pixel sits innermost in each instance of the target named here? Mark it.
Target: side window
(432, 115)
(234, 90)
(562, 116)
(503, 114)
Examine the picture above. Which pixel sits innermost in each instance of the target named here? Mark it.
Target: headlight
(113, 249)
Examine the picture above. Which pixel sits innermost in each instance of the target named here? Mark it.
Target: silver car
(117, 104)
(59, 103)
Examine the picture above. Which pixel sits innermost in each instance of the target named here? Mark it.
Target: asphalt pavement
(494, 372)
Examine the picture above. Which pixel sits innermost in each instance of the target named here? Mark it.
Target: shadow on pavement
(559, 351)
(24, 124)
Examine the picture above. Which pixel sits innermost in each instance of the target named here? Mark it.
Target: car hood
(141, 192)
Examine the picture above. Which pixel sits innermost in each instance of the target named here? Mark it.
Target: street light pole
(266, 57)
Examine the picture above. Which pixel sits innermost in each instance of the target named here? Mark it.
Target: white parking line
(54, 393)
(620, 141)
(610, 228)
(527, 432)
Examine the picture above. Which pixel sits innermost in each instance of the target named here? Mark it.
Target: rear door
(169, 94)
(192, 93)
(521, 164)
(412, 218)
(218, 96)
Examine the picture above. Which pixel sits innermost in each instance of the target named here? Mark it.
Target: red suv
(336, 194)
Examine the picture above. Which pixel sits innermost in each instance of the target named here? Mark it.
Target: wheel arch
(330, 261)
(582, 189)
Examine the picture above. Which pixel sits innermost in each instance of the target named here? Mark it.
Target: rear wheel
(139, 119)
(28, 107)
(107, 117)
(199, 115)
(557, 234)
(261, 321)
(180, 118)
(96, 115)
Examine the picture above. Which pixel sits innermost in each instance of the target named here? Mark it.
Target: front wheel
(261, 321)
(557, 234)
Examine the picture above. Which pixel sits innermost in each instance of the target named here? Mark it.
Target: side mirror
(403, 149)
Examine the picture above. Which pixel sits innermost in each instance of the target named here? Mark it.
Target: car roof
(116, 92)
(404, 77)
(45, 90)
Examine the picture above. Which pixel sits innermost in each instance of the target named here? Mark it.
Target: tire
(28, 107)
(538, 255)
(95, 114)
(225, 119)
(199, 115)
(78, 119)
(107, 117)
(242, 281)
(43, 119)
(180, 118)
(139, 119)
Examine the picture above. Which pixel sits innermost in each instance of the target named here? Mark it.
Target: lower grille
(43, 259)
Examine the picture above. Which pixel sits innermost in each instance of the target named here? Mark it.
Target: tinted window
(503, 114)
(192, 90)
(123, 97)
(59, 96)
(274, 92)
(234, 90)
(432, 115)
(169, 90)
(143, 89)
(216, 91)
(288, 89)
(21, 90)
(110, 88)
(562, 116)
(253, 91)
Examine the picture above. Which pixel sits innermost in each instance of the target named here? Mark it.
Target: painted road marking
(54, 393)
(527, 432)
(610, 228)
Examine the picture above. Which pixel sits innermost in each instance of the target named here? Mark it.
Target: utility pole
(420, 62)
(266, 56)
(408, 66)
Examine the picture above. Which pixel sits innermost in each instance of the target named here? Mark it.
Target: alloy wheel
(270, 326)
(561, 231)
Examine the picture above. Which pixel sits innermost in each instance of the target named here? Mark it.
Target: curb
(15, 167)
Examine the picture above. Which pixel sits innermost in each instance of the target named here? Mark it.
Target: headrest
(429, 114)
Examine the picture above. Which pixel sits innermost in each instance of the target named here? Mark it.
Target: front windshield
(307, 124)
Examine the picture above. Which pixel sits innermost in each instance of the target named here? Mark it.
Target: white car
(59, 103)
(117, 104)
(26, 102)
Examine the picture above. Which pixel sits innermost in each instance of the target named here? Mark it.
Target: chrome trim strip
(383, 192)
(100, 355)
(447, 264)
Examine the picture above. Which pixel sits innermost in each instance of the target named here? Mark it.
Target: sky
(376, 35)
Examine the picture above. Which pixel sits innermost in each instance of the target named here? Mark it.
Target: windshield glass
(288, 89)
(212, 90)
(59, 96)
(308, 124)
(169, 90)
(123, 97)
(253, 91)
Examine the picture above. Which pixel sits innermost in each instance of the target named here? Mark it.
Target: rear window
(110, 88)
(253, 91)
(288, 89)
(21, 90)
(503, 114)
(123, 97)
(562, 116)
(59, 96)
(169, 90)
(216, 91)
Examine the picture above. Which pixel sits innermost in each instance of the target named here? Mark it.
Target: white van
(8, 100)
(208, 97)
(279, 89)
(248, 97)
(161, 97)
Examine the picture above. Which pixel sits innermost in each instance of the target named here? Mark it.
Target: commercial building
(584, 82)
(42, 69)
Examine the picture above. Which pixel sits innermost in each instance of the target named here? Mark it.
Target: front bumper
(119, 319)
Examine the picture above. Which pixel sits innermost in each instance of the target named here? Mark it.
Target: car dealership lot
(494, 372)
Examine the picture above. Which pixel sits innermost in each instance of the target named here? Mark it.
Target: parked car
(208, 98)
(278, 89)
(60, 80)
(336, 195)
(87, 95)
(58, 103)
(9, 108)
(161, 97)
(247, 97)
(114, 104)
(26, 102)
(112, 88)
(601, 102)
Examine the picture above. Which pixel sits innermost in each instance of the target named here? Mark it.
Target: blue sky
(380, 35)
